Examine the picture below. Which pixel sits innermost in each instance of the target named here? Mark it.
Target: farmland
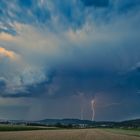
(71, 134)
(23, 128)
(130, 132)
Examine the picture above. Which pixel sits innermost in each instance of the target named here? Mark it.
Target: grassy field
(132, 132)
(77, 134)
(23, 128)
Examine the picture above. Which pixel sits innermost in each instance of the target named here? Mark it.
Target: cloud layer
(56, 49)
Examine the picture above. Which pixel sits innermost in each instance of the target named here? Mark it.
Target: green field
(22, 132)
(71, 134)
(23, 128)
(132, 132)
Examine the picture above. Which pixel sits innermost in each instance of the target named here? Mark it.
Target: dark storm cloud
(28, 12)
(131, 79)
(126, 5)
(2, 84)
(89, 46)
(25, 3)
(96, 3)
(71, 14)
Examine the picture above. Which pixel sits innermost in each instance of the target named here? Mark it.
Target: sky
(56, 56)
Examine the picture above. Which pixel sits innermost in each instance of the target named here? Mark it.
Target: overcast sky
(58, 55)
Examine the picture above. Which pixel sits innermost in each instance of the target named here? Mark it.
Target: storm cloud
(50, 51)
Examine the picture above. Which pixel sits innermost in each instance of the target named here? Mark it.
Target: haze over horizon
(56, 56)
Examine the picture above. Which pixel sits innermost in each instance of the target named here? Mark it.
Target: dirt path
(88, 134)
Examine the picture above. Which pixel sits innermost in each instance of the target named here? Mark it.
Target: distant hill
(131, 123)
(128, 123)
(65, 121)
(77, 122)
